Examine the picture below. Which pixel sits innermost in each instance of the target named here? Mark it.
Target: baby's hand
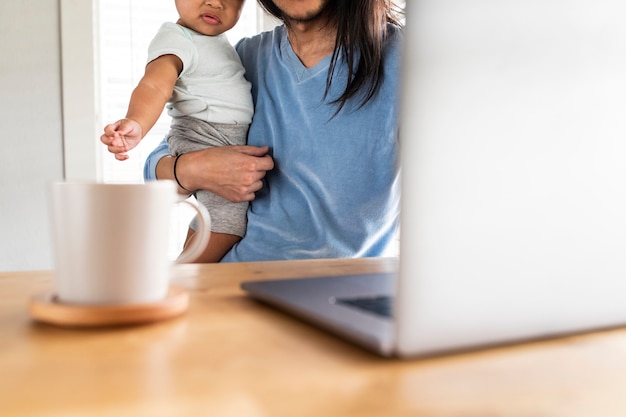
(122, 136)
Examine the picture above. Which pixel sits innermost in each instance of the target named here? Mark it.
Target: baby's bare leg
(219, 244)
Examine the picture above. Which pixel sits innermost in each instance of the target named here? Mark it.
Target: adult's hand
(232, 172)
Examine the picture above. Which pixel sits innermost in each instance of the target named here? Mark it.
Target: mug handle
(195, 249)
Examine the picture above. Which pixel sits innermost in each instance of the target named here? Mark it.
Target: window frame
(80, 89)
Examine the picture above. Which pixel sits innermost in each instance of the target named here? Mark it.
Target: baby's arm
(145, 107)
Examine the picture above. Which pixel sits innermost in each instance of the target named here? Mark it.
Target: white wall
(31, 130)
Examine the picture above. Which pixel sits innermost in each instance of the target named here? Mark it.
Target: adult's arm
(232, 172)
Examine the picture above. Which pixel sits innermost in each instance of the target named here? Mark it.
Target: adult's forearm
(160, 165)
(232, 172)
(165, 171)
(165, 168)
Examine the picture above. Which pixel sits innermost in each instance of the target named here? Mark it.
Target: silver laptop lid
(514, 171)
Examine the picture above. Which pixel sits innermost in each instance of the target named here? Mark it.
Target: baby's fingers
(121, 156)
(120, 142)
(116, 145)
(112, 128)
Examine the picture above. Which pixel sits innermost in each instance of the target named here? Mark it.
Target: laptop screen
(513, 148)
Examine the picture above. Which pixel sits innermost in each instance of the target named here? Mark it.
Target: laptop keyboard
(379, 305)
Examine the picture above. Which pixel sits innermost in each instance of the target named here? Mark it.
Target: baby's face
(209, 17)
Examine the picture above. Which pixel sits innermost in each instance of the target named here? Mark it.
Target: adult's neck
(312, 41)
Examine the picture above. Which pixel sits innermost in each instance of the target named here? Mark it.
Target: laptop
(513, 223)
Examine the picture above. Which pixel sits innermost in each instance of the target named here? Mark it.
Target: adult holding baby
(321, 166)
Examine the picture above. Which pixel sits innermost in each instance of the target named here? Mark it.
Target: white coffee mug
(111, 240)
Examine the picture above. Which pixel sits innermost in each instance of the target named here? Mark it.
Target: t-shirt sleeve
(149, 168)
(172, 39)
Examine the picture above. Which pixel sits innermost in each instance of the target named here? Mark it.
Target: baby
(194, 71)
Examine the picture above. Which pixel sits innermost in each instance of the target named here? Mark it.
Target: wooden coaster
(47, 308)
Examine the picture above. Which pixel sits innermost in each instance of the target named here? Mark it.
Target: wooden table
(231, 356)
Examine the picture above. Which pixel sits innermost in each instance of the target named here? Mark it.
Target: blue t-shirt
(335, 188)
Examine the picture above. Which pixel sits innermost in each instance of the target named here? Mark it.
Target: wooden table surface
(231, 356)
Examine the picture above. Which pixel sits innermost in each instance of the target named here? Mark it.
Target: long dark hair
(361, 32)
